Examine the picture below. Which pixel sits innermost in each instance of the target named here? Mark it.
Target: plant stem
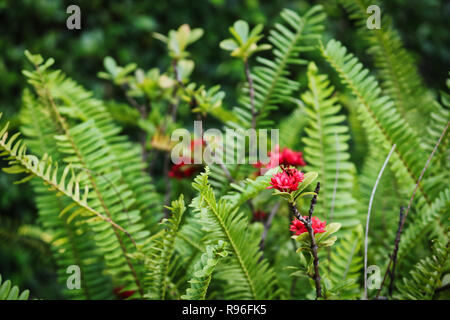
(268, 224)
(314, 201)
(308, 224)
(251, 91)
(394, 255)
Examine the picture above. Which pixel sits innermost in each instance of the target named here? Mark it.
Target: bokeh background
(123, 30)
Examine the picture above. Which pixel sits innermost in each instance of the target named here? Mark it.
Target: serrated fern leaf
(163, 252)
(396, 69)
(326, 151)
(426, 277)
(203, 272)
(384, 125)
(247, 276)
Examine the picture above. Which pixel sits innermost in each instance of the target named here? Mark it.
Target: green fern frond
(346, 262)
(189, 245)
(293, 127)
(439, 119)
(385, 205)
(426, 277)
(271, 82)
(248, 189)
(247, 275)
(396, 68)
(164, 250)
(68, 183)
(8, 293)
(421, 223)
(89, 141)
(72, 242)
(203, 271)
(326, 151)
(384, 125)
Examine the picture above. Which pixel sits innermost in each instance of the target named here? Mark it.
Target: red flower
(183, 170)
(298, 227)
(259, 215)
(197, 142)
(292, 158)
(287, 180)
(287, 157)
(118, 291)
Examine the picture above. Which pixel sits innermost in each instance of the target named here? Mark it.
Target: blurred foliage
(124, 30)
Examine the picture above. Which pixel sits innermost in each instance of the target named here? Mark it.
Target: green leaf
(308, 179)
(228, 44)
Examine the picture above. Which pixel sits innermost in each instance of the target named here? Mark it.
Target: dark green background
(122, 29)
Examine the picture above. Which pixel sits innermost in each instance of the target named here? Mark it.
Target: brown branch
(307, 222)
(314, 200)
(394, 255)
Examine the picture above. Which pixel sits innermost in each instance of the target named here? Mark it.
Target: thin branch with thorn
(412, 198)
(394, 255)
(308, 224)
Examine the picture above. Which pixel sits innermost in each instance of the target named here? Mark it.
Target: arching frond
(163, 251)
(396, 69)
(326, 151)
(247, 275)
(384, 125)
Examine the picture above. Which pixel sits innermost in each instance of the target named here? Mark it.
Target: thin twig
(168, 184)
(173, 113)
(268, 224)
(394, 255)
(314, 200)
(423, 172)
(368, 217)
(251, 91)
(412, 198)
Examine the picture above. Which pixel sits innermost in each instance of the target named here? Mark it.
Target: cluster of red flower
(298, 227)
(287, 180)
(286, 157)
